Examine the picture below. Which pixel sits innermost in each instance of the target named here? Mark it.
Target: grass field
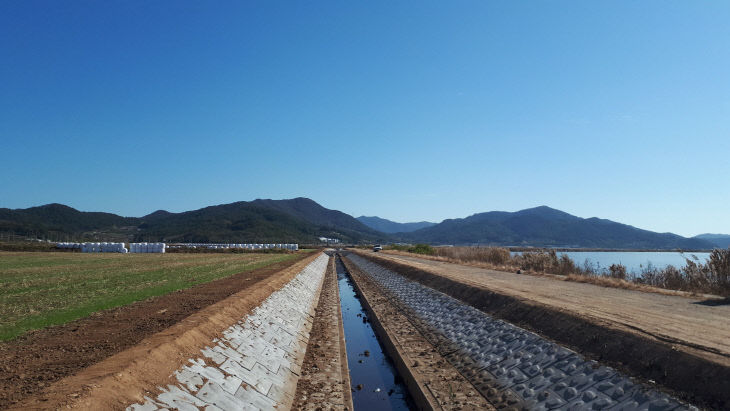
(42, 289)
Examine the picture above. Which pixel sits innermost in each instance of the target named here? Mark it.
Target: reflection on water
(375, 382)
(636, 261)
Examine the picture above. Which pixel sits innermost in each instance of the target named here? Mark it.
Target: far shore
(580, 249)
(622, 250)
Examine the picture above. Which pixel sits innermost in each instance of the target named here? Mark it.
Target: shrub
(617, 271)
(542, 261)
(421, 249)
(566, 266)
(398, 247)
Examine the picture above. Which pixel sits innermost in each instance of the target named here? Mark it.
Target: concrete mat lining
(256, 364)
(493, 353)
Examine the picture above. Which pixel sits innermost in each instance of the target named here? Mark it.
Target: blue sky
(405, 110)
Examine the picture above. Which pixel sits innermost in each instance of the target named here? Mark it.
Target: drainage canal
(375, 381)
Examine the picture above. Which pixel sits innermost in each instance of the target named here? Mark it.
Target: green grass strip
(38, 290)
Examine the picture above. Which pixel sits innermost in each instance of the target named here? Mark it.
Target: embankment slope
(676, 341)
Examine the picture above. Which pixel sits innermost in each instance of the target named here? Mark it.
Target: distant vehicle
(377, 248)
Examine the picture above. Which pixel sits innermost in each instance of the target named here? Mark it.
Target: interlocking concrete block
(213, 393)
(148, 405)
(258, 359)
(190, 379)
(180, 399)
(253, 399)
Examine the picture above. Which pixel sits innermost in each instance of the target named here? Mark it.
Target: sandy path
(682, 321)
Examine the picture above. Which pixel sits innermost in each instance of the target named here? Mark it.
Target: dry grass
(492, 255)
(444, 257)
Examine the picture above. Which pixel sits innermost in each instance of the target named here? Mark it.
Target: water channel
(375, 381)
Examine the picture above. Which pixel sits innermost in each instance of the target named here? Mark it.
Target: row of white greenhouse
(146, 247)
(106, 247)
(292, 247)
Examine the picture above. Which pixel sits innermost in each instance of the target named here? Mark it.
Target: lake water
(633, 260)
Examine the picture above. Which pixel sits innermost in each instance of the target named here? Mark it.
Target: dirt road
(679, 320)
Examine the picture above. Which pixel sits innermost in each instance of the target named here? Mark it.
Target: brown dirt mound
(39, 358)
(692, 378)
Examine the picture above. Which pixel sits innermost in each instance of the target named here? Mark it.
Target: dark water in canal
(375, 381)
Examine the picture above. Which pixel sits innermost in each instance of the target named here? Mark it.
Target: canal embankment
(432, 381)
(139, 371)
(324, 383)
(255, 363)
(499, 357)
(677, 343)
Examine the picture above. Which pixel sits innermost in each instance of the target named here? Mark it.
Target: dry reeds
(492, 255)
(711, 277)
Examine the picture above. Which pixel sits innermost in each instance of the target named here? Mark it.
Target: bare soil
(677, 343)
(32, 363)
(325, 380)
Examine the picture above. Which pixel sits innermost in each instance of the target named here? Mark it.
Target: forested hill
(547, 227)
(303, 220)
(387, 226)
(292, 220)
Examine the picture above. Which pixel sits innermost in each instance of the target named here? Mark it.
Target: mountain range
(303, 220)
(547, 227)
(295, 220)
(390, 227)
(718, 240)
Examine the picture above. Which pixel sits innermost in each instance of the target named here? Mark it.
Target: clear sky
(410, 111)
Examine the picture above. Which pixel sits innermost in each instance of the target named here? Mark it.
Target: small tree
(617, 271)
(421, 249)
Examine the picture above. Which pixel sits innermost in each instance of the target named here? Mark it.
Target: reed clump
(695, 276)
(416, 249)
(492, 255)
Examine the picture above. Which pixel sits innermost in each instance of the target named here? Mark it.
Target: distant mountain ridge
(303, 220)
(292, 220)
(58, 217)
(390, 227)
(547, 227)
(719, 240)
